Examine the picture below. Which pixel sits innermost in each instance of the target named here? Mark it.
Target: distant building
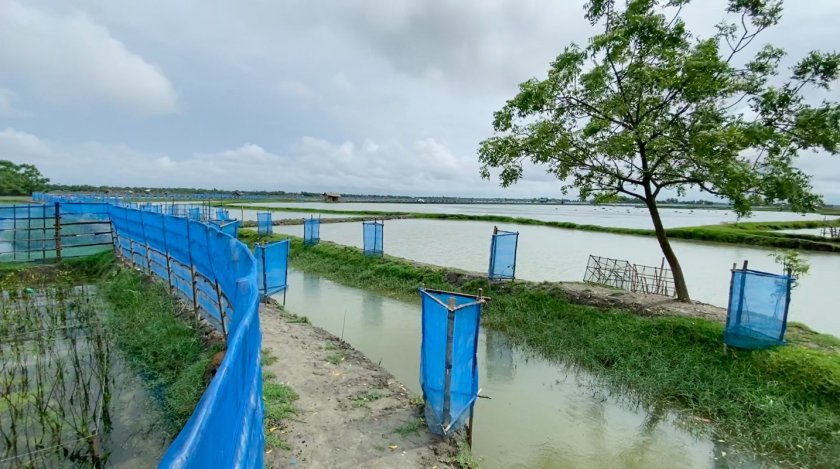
(332, 197)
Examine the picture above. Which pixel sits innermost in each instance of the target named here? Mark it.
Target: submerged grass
(167, 350)
(783, 403)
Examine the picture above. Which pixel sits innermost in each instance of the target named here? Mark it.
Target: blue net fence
(311, 231)
(273, 267)
(264, 226)
(448, 358)
(217, 274)
(228, 227)
(38, 232)
(372, 235)
(503, 255)
(758, 309)
(222, 214)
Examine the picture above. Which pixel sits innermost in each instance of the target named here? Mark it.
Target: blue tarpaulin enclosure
(311, 231)
(222, 214)
(448, 358)
(758, 309)
(227, 227)
(194, 213)
(272, 267)
(264, 223)
(372, 235)
(503, 255)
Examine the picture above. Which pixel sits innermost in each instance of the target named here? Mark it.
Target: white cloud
(8, 109)
(71, 58)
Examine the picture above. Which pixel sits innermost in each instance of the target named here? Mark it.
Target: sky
(380, 96)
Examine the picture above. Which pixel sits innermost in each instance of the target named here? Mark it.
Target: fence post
(58, 231)
(447, 384)
(194, 291)
(222, 314)
(131, 251)
(148, 259)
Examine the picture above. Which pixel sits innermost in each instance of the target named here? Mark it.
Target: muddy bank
(600, 296)
(351, 412)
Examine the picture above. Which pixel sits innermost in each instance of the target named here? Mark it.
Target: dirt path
(349, 410)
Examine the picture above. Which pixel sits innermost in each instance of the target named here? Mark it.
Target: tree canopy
(648, 107)
(20, 179)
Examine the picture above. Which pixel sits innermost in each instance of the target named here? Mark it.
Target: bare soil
(607, 298)
(349, 411)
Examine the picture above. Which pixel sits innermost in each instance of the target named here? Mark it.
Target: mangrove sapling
(792, 264)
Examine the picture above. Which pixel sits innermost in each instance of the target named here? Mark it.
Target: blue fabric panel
(264, 226)
(503, 255)
(272, 267)
(758, 308)
(311, 231)
(372, 234)
(464, 375)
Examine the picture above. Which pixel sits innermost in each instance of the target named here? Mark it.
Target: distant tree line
(20, 179)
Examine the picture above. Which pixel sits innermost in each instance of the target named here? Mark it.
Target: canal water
(552, 254)
(539, 415)
(624, 216)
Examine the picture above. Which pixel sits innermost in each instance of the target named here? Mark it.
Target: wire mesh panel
(503, 255)
(448, 358)
(194, 213)
(311, 231)
(637, 278)
(273, 267)
(758, 308)
(372, 232)
(264, 223)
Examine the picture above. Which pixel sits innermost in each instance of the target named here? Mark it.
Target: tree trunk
(679, 279)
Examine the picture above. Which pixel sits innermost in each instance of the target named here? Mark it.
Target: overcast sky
(379, 96)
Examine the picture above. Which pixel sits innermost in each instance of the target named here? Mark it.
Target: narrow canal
(540, 414)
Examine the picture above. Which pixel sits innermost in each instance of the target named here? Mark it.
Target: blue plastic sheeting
(503, 255)
(447, 413)
(194, 213)
(372, 233)
(264, 226)
(230, 227)
(225, 430)
(222, 214)
(272, 267)
(311, 231)
(758, 309)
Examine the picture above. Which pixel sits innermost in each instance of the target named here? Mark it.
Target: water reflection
(372, 311)
(498, 357)
(540, 414)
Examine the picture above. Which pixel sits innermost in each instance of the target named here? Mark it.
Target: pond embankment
(782, 403)
(350, 412)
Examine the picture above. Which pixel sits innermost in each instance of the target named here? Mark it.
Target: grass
(278, 399)
(742, 233)
(783, 403)
(412, 427)
(167, 350)
(463, 457)
(366, 398)
(336, 355)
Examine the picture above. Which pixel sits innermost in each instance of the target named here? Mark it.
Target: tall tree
(20, 179)
(648, 107)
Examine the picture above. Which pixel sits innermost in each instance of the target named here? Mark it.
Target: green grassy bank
(783, 403)
(166, 349)
(744, 233)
